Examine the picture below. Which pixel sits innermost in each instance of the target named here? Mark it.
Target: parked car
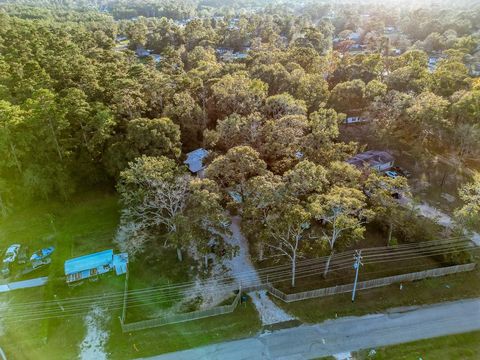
(401, 171)
(11, 254)
(42, 254)
(23, 255)
(392, 174)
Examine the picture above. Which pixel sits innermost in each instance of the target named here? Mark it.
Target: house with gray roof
(375, 159)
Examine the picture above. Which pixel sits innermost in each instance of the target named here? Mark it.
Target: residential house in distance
(355, 119)
(355, 36)
(195, 160)
(229, 55)
(156, 57)
(475, 70)
(92, 265)
(374, 159)
(142, 52)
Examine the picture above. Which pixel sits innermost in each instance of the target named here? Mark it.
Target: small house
(156, 57)
(92, 265)
(142, 52)
(195, 160)
(354, 36)
(378, 160)
(355, 119)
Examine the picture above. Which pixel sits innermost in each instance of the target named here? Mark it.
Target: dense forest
(116, 93)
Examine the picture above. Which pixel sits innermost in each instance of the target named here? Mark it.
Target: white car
(11, 253)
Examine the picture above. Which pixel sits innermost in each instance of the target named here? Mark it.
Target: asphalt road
(346, 334)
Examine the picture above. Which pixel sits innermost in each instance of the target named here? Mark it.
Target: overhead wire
(303, 270)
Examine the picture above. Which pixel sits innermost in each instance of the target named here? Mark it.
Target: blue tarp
(88, 262)
(194, 160)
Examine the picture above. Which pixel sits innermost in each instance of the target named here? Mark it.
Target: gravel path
(242, 264)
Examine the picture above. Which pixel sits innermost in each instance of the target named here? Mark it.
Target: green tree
(449, 77)
(277, 106)
(232, 170)
(152, 137)
(154, 193)
(348, 96)
(428, 113)
(382, 193)
(469, 193)
(239, 94)
(290, 234)
(344, 211)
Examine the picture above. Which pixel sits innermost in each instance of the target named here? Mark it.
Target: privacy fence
(340, 289)
(369, 284)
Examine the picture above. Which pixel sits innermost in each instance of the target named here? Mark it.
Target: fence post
(125, 294)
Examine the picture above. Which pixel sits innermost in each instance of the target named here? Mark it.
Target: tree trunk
(294, 268)
(390, 231)
(327, 265)
(57, 145)
(179, 254)
(206, 262)
(260, 252)
(14, 153)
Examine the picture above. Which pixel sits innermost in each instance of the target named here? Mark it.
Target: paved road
(24, 284)
(346, 334)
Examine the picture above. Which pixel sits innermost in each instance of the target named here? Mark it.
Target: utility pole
(356, 266)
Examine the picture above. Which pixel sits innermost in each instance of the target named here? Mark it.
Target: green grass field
(453, 347)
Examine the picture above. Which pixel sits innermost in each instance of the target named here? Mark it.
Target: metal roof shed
(88, 265)
(120, 263)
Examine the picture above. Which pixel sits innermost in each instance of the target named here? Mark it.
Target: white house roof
(194, 160)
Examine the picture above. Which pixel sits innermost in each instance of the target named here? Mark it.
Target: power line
(161, 298)
(286, 271)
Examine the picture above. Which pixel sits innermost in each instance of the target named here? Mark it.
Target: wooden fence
(369, 284)
(339, 289)
(177, 318)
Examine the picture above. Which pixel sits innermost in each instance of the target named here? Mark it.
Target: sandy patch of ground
(244, 272)
(444, 220)
(93, 345)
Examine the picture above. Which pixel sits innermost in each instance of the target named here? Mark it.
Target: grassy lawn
(451, 287)
(462, 346)
(243, 322)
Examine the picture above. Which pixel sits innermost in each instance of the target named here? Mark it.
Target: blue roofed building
(92, 265)
(194, 161)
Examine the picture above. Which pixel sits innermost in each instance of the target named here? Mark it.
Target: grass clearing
(461, 346)
(243, 322)
(81, 226)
